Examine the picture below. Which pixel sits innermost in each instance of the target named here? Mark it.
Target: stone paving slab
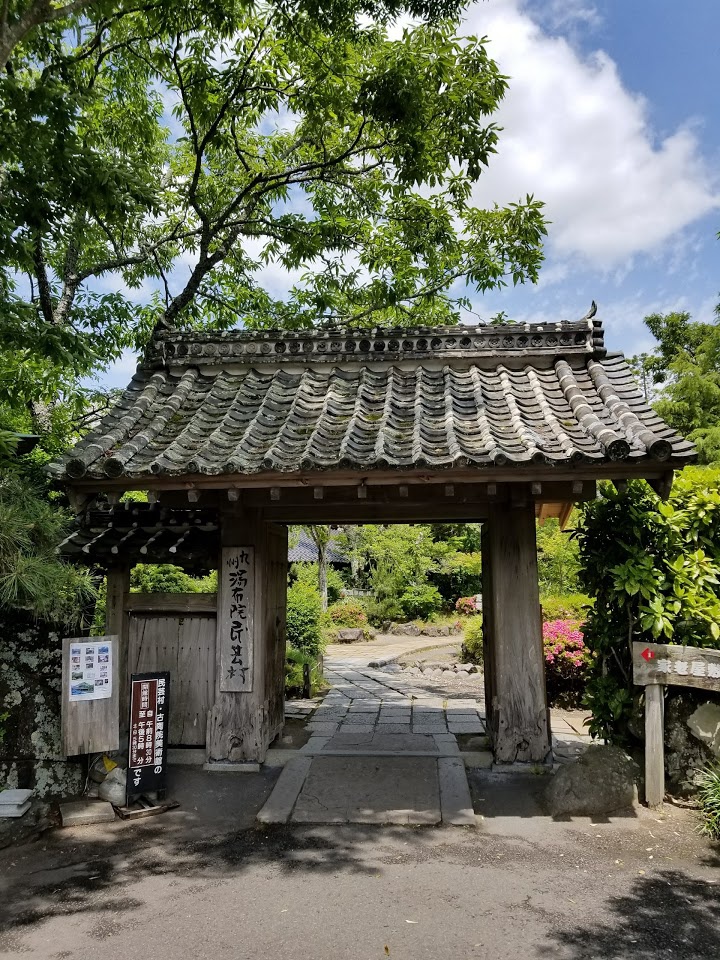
(384, 742)
(279, 805)
(455, 801)
(397, 790)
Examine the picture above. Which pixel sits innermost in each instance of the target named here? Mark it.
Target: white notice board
(90, 708)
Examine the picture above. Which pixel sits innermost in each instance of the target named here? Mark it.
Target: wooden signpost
(655, 665)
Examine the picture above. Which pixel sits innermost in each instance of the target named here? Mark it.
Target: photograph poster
(90, 670)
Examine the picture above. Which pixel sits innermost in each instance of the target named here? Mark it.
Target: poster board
(90, 705)
(149, 724)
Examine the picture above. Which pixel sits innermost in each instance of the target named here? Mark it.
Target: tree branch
(39, 12)
(44, 288)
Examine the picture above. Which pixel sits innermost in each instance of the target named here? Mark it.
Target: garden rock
(602, 781)
(686, 754)
(350, 634)
(407, 630)
(704, 723)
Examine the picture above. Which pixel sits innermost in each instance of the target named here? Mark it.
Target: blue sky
(613, 119)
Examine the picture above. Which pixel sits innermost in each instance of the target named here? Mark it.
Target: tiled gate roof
(249, 402)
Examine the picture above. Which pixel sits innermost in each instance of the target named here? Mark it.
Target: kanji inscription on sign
(676, 665)
(236, 619)
(147, 760)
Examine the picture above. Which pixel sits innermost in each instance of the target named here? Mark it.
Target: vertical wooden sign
(235, 618)
(147, 754)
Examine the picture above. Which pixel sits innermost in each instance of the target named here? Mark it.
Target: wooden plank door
(184, 645)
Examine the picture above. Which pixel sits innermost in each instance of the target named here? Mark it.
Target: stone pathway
(383, 747)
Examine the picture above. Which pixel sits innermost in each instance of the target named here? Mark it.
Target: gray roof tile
(245, 403)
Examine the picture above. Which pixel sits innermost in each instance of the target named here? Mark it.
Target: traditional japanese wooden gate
(234, 434)
(176, 632)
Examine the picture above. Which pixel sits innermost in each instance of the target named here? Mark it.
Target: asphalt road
(203, 882)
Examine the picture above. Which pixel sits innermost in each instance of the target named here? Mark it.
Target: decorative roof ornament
(509, 341)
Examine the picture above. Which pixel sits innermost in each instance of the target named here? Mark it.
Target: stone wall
(692, 737)
(30, 682)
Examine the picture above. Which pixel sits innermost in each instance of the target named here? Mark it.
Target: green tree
(319, 533)
(653, 569)
(32, 577)
(299, 137)
(558, 562)
(686, 366)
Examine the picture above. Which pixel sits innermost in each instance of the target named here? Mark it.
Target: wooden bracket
(663, 485)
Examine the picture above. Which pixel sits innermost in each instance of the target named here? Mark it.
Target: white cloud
(566, 14)
(579, 140)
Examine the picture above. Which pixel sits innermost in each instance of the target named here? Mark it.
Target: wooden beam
(171, 602)
(116, 623)
(567, 509)
(519, 474)
(449, 490)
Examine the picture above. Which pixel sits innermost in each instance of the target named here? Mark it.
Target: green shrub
(295, 660)
(347, 613)
(567, 663)
(459, 575)
(420, 602)
(471, 650)
(161, 578)
(565, 606)
(709, 798)
(379, 611)
(304, 613)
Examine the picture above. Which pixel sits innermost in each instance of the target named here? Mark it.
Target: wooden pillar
(517, 710)
(245, 720)
(118, 586)
(488, 629)
(654, 744)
